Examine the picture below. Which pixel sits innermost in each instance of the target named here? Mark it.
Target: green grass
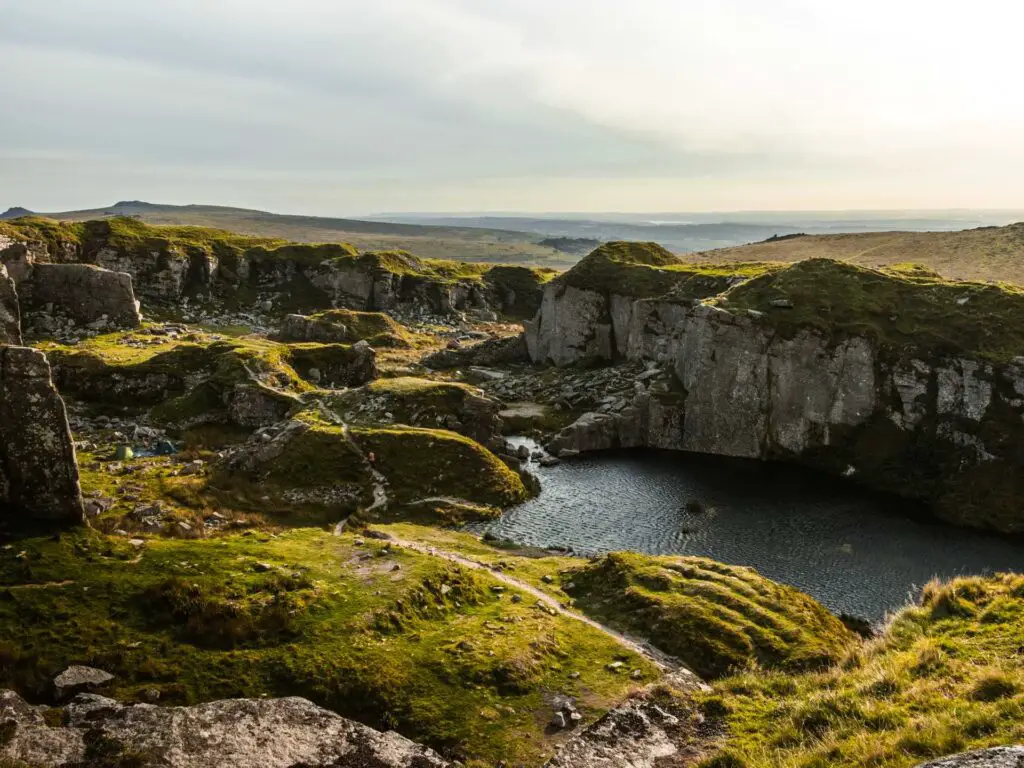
(908, 309)
(946, 676)
(716, 618)
(427, 649)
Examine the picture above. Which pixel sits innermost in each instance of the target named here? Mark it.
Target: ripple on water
(855, 551)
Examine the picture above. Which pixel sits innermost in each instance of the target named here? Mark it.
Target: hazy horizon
(441, 106)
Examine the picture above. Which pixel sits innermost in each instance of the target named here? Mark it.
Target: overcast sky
(347, 107)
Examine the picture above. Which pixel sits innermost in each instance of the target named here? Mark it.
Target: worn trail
(663, 660)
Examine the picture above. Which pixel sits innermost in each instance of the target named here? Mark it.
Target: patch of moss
(945, 676)
(714, 617)
(907, 310)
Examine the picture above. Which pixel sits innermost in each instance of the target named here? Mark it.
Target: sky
(341, 107)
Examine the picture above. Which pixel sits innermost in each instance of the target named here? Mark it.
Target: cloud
(335, 104)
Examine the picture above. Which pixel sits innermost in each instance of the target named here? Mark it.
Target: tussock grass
(946, 675)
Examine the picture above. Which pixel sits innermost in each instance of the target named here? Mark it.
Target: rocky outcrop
(641, 732)
(334, 365)
(244, 733)
(87, 294)
(929, 422)
(343, 326)
(509, 349)
(38, 468)
(997, 757)
(422, 403)
(10, 311)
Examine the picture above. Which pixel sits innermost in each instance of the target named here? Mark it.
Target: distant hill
(984, 253)
(14, 213)
(443, 242)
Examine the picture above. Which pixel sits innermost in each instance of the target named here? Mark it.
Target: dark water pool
(855, 551)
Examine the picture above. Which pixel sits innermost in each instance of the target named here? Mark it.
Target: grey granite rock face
(84, 292)
(10, 311)
(38, 467)
(941, 429)
(570, 327)
(997, 757)
(242, 733)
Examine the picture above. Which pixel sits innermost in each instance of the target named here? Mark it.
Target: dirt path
(663, 660)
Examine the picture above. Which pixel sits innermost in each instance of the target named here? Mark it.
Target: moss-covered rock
(421, 403)
(906, 310)
(186, 381)
(332, 471)
(170, 263)
(347, 327)
(716, 618)
(640, 270)
(424, 464)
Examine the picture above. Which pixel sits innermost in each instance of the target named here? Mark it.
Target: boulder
(243, 733)
(83, 292)
(510, 349)
(997, 757)
(78, 679)
(38, 467)
(10, 312)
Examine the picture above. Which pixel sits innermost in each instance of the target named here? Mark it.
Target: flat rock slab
(242, 733)
(78, 678)
(998, 757)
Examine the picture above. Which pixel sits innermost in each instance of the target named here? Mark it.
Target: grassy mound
(426, 648)
(945, 676)
(646, 269)
(714, 617)
(902, 307)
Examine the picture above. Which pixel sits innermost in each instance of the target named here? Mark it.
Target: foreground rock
(243, 733)
(38, 468)
(998, 757)
(646, 731)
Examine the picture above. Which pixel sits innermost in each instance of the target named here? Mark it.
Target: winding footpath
(662, 660)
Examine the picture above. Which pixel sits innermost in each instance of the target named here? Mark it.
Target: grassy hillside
(442, 242)
(945, 676)
(986, 253)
